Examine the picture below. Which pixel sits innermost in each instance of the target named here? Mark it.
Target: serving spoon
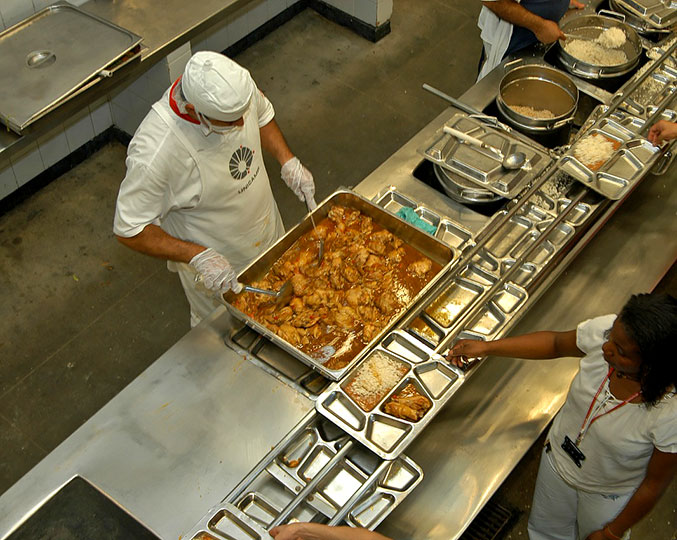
(515, 160)
(281, 297)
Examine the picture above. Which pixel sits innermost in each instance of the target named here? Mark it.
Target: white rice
(525, 110)
(612, 38)
(593, 53)
(593, 149)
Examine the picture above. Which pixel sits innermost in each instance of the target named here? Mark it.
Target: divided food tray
(656, 90)
(439, 318)
(630, 161)
(383, 433)
(448, 231)
(315, 473)
(482, 166)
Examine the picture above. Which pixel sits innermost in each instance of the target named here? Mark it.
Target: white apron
(496, 34)
(236, 214)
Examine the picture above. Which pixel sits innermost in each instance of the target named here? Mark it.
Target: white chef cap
(216, 86)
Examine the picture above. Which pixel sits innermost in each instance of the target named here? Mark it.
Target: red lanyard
(584, 429)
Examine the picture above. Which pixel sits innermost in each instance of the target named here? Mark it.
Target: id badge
(573, 451)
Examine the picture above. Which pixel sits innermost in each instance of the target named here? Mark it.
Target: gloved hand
(216, 272)
(300, 181)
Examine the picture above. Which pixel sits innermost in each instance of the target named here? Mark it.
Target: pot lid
(656, 13)
(49, 55)
(481, 166)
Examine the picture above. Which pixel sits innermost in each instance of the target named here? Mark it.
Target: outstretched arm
(660, 472)
(154, 241)
(533, 346)
(545, 30)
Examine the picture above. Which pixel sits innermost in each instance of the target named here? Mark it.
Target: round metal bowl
(592, 26)
(540, 87)
(461, 190)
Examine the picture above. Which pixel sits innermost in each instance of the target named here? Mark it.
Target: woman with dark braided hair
(612, 449)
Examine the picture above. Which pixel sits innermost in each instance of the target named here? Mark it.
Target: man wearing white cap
(196, 190)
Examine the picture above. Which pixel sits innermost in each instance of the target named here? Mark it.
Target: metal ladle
(515, 160)
(281, 297)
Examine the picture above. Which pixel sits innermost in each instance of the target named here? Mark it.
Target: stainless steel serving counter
(182, 435)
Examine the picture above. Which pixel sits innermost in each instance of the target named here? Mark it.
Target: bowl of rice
(599, 47)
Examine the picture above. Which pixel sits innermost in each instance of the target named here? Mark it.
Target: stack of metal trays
(657, 14)
(632, 157)
(447, 230)
(658, 85)
(484, 297)
(383, 433)
(316, 473)
(482, 166)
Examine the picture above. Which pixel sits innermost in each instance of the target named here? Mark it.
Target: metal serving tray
(656, 90)
(627, 165)
(49, 55)
(658, 14)
(428, 245)
(481, 166)
(315, 473)
(384, 434)
(447, 230)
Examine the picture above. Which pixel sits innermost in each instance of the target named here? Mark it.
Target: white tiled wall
(239, 24)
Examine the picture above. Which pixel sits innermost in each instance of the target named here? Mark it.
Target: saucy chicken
(409, 404)
(366, 278)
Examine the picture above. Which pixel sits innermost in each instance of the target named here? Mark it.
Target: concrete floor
(83, 316)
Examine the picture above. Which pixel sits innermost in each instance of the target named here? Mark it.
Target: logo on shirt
(241, 162)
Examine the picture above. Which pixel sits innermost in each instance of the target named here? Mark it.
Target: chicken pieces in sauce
(366, 277)
(408, 404)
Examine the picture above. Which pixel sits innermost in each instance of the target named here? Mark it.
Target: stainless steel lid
(49, 55)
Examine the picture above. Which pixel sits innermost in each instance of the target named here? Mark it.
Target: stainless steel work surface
(51, 54)
(175, 441)
(315, 473)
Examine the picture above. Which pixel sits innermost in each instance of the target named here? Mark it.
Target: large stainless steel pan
(592, 26)
(428, 245)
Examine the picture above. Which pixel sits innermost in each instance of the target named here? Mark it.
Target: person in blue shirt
(508, 26)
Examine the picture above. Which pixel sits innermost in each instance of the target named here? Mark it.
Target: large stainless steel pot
(592, 26)
(540, 87)
(461, 190)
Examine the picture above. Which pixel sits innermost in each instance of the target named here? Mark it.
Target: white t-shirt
(617, 446)
(211, 190)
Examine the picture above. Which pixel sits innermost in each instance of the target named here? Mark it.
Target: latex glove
(300, 181)
(216, 272)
